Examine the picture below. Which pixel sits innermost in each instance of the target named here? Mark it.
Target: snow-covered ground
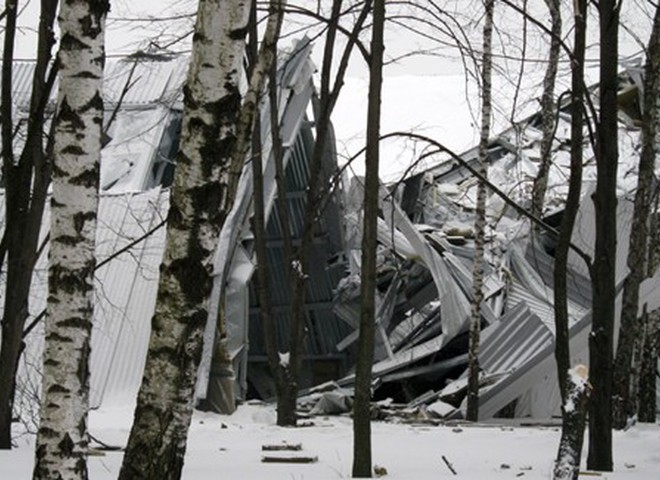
(230, 447)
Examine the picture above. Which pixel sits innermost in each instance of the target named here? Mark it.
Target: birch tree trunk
(623, 404)
(480, 218)
(62, 439)
(548, 110)
(198, 208)
(603, 271)
(365, 355)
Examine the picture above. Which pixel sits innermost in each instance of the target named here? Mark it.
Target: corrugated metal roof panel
(126, 291)
(145, 81)
(125, 294)
(541, 307)
(513, 340)
(151, 81)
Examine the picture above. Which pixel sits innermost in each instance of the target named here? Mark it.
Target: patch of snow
(284, 359)
(232, 445)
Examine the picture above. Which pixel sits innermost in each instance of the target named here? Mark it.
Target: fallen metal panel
(539, 367)
(235, 224)
(397, 220)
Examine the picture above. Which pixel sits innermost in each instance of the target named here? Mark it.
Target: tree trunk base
(574, 413)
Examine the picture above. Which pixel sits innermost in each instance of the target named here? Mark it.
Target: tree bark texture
(562, 343)
(480, 218)
(648, 407)
(365, 356)
(62, 439)
(26, 182)
(603, 271)
(198, 208)
(623, 405)
(548, 110)
(574, 417)
(286, 399)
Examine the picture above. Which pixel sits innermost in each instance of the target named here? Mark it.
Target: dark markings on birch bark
(91, 26)
(81, 218)
(73, 150)
(192, 276)
(67, 115)
(70, 43)
(64, 280)
(238, 33)
(66, 445)
(209, 198)
(99, 8)
(83, 366)
(59, 338)
(95, 104)
(48, 432)
(86, 74)
(58, 389)
(74, 322)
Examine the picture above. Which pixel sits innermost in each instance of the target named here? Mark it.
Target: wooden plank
(282, 447)
(296, 459)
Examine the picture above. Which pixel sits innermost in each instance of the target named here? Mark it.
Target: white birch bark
(567, 464)
(480, 218)
(62, 439)
(199, 202)
(548, 110)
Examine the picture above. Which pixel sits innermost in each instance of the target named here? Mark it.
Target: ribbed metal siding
(126, 291)
(513, 340)
(153, 81)
(125, 295)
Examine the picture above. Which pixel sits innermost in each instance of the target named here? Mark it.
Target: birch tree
(548, 109)
(62, 439)
(215, 140)
(480, 218)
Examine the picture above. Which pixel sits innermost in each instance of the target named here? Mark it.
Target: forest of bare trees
(54, 157)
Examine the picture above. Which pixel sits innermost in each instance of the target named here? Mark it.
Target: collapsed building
(143, 108)
(425, 256)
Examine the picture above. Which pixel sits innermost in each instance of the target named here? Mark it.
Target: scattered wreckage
(425, 281)
(425, 258)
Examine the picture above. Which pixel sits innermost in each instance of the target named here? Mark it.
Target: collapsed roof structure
(425, 253)
(143, 102)
(425, 272)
